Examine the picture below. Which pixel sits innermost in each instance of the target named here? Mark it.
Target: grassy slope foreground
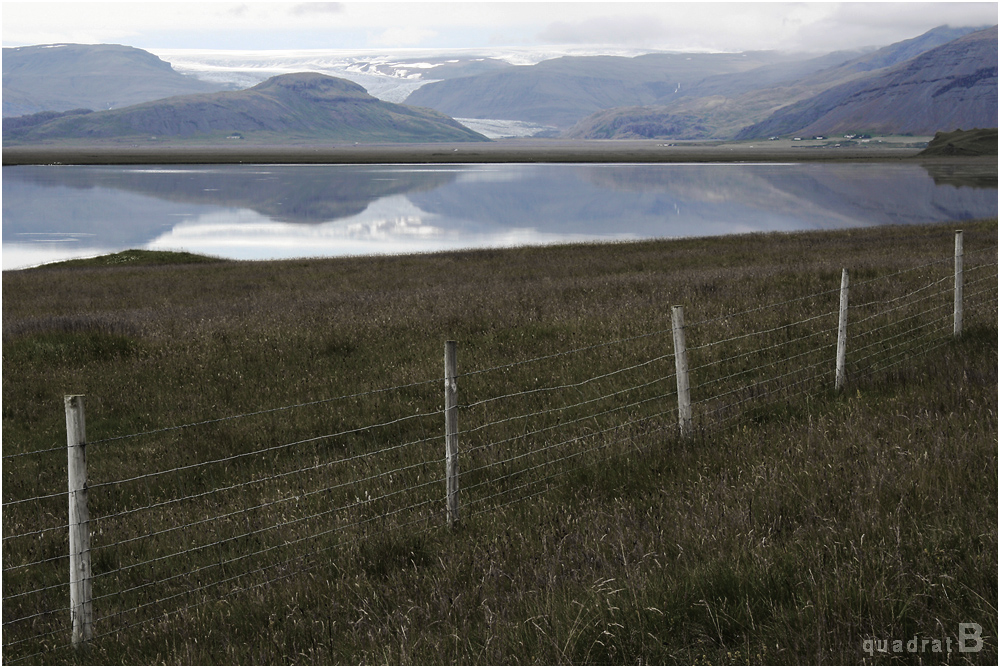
(791, 531)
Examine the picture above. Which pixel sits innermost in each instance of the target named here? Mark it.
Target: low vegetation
(801, 531)
(963, 142)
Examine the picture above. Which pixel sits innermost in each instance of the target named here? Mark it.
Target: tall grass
(796, 524)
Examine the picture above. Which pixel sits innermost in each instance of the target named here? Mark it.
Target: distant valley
(940, 81)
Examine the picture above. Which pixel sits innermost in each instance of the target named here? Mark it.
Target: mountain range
(724, 107)
(61, 77)
(304, 107)
(942, 80)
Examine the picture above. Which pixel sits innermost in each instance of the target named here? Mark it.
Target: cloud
(398, 37)
(309, 8)
(632, 29)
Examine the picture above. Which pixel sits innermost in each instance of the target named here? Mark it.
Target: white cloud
(277, 25)
(638, 29)
(313, 8)
(402, 37)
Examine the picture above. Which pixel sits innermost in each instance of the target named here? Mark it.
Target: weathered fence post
(81, 608)
(959, 281)
(842, 335)
(681, 364)
(451, 429)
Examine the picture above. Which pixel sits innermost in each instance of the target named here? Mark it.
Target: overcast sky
(373, 25)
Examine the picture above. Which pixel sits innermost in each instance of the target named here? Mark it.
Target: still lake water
(53, 213)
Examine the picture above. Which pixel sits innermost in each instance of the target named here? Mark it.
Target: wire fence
(187, 515)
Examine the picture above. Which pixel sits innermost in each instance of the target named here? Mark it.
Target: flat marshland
(267, 471)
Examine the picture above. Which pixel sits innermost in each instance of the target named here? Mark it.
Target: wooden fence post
(81, 608)
(681, 364)
(451, 429)
(959, 281)
(842, 335)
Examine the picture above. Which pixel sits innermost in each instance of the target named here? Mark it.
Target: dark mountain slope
(291, 107)
(948, 87)
(60, 77)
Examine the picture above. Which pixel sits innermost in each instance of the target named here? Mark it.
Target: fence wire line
(801, 381)
(564, 408)
(742, 418)
(759, 384)
(350, 506)
(264, 412)
(482, 500)
(314, 467)
(919, 303)
(36, 563)
(748, 353)
(932, 344)
(894, 300)
(347, 526)
(562, 353)
(518, 437)
(357, 523)
(34, 533)
(764, 331)
(228, 594)
(243, 511)
(231, 487)
(58, 585)
(36, 498)
(37, 614)
(312, 439)
(766, 380)
(554, 445)
(976, 281)
(569, 385)
(883, 341)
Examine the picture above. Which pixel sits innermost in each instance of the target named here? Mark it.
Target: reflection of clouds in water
(404, 226)
(392, 225)
(22, 256)
(259, 212)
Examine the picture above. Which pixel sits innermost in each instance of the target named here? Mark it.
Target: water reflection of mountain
(121, 207)
(964, 174)
(669, 200)
(289, 194)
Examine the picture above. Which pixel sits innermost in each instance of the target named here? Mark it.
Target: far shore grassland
(504, 150)
(812, 527)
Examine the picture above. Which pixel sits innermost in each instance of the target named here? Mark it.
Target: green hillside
(963, 142)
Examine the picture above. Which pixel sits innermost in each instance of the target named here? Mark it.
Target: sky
(711, 26)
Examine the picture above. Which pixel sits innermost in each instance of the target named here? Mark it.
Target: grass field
(506, 150)
(295, 515)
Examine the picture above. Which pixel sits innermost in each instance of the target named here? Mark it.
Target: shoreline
(506, 151)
